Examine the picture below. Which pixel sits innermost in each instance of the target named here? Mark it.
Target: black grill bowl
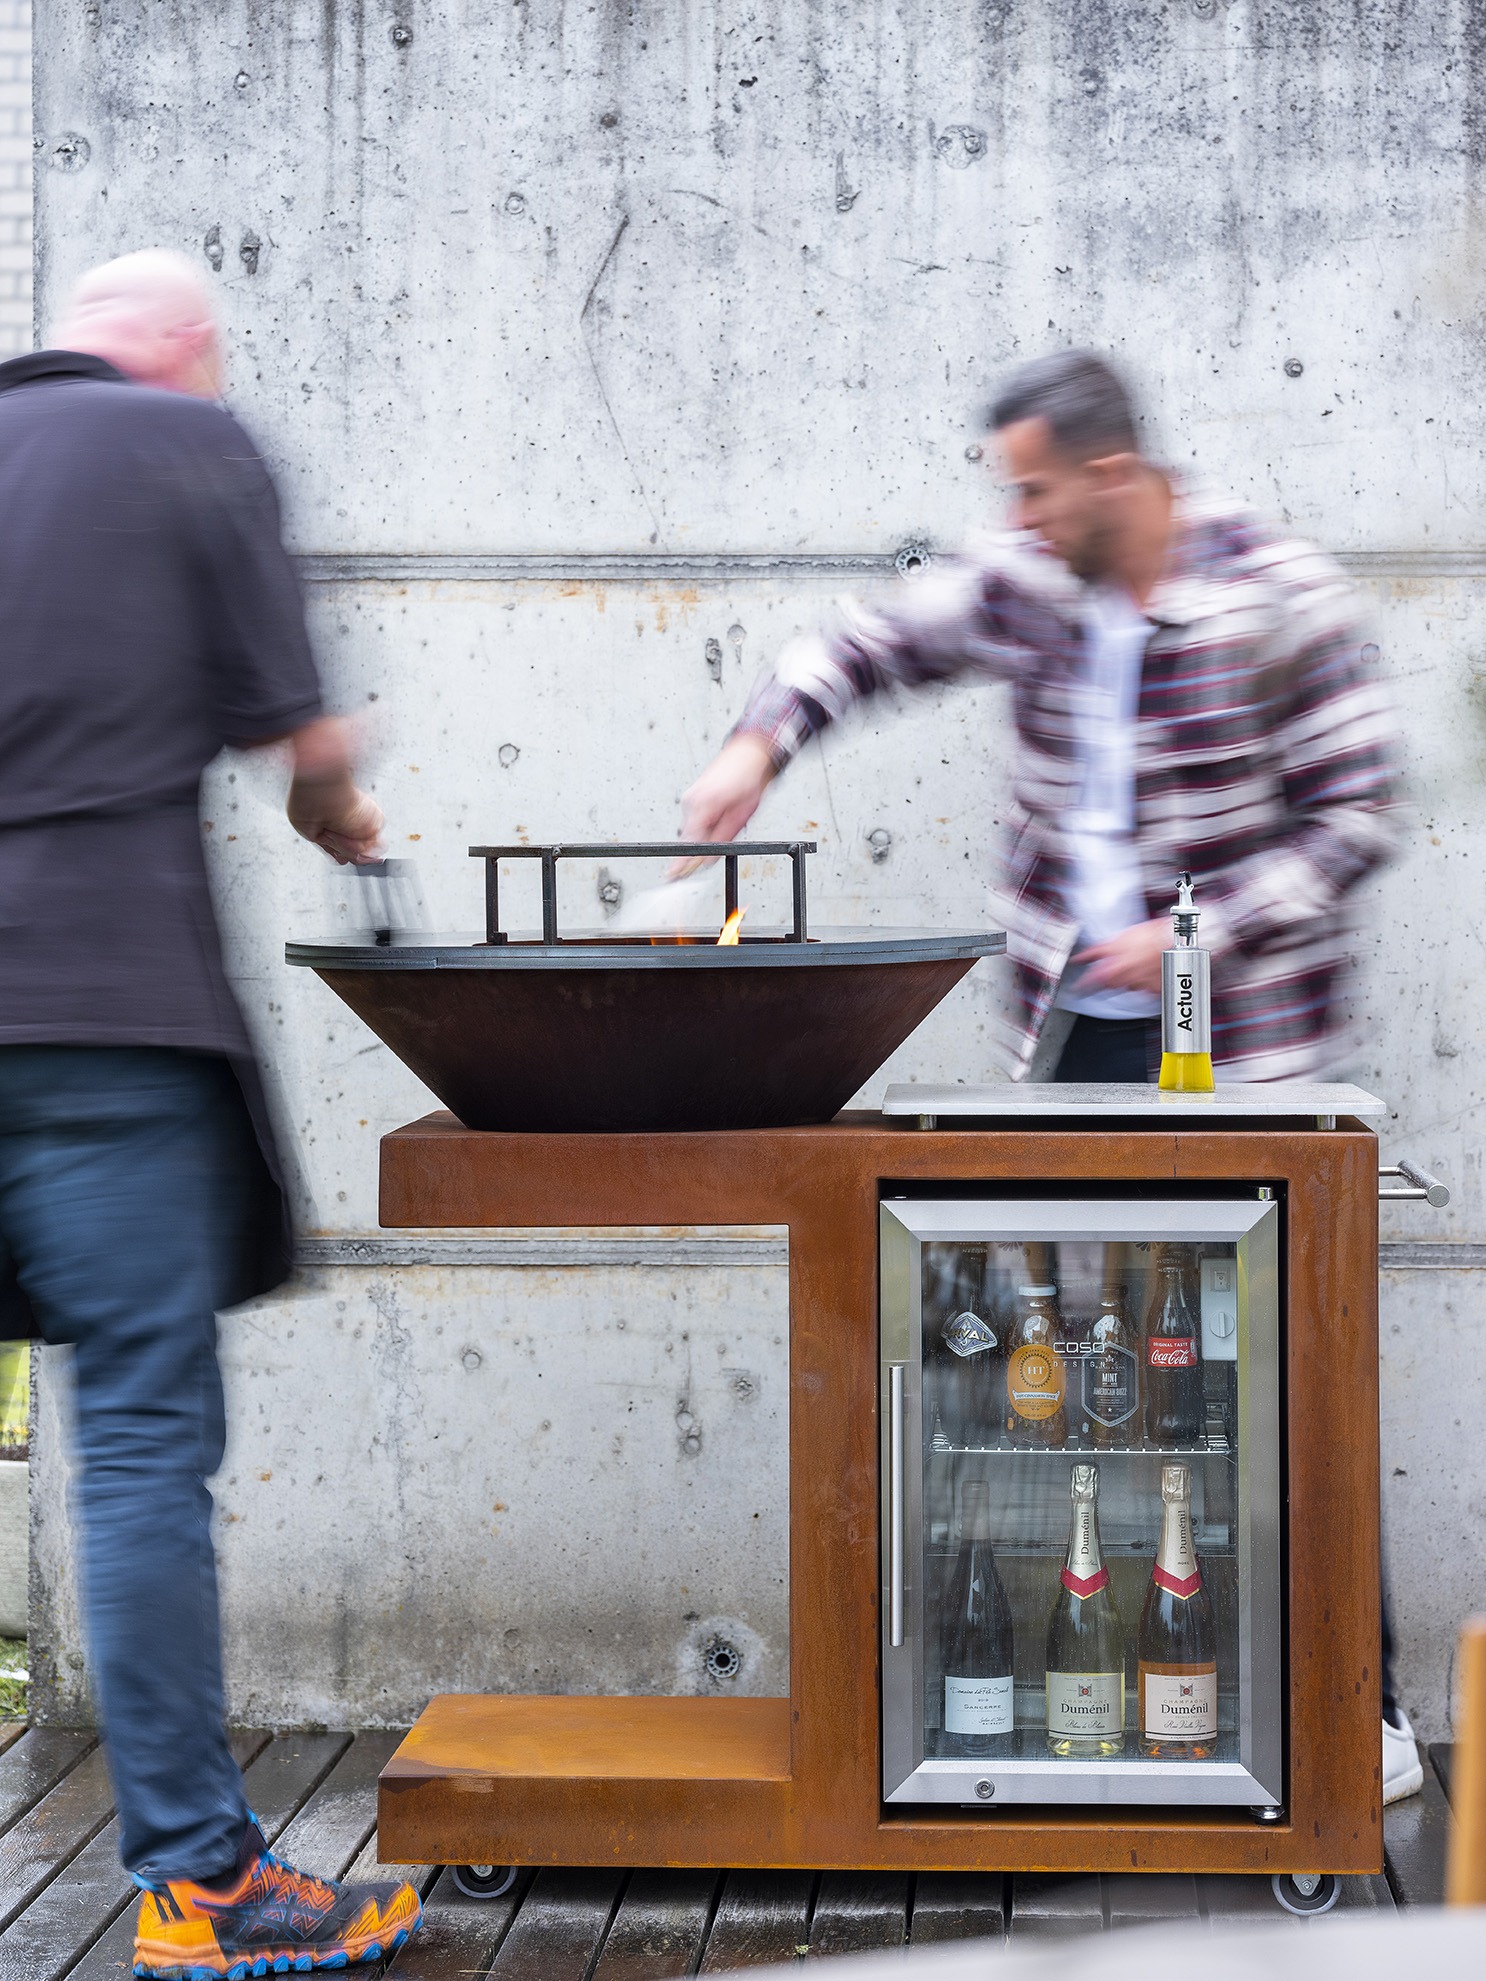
(619, 1036)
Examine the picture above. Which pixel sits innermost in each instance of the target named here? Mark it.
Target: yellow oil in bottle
(1186, 1073)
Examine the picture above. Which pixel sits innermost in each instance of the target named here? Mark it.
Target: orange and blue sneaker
(265, 1917)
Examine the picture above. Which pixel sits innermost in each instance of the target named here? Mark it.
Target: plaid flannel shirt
(1263, 757)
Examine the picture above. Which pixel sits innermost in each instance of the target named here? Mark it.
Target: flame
(729, 937)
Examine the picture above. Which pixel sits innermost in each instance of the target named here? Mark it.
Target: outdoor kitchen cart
(957, 1214)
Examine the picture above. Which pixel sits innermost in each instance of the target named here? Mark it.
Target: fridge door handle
(895, 1534)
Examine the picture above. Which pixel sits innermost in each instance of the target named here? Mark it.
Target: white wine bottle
(1085, 1642)
(979, 1714)
(1178, 1644)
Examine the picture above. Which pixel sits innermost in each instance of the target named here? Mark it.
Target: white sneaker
(1403, 1771)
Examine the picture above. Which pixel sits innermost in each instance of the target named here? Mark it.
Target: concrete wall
(597, 346)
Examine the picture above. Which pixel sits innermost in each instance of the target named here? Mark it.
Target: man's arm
(985, 616)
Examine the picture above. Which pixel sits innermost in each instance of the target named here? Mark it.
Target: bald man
(152, 619)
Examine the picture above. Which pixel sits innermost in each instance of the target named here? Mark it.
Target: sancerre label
(978, 1705)
(1035, 1382)
(1171, 1351)
(1086, 1701)
(1181, 1705)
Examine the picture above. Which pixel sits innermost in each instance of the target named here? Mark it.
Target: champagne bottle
(1186, 1003)
(1175, 1413)
(979, 1715)
(1177, 1647)
(1036, 1377)
(1111, 1377)
(1085, 1641)
(973, 1377)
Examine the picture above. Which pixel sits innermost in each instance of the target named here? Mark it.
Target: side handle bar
(1420, 1185)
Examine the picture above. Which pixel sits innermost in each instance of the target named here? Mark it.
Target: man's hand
(725, 796)
(324, 802)
(1130, 961)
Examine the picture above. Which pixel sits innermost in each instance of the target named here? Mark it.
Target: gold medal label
(1035, 1382)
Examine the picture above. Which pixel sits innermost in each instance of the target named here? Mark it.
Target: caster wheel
(484, 1880)
(1306, 1893)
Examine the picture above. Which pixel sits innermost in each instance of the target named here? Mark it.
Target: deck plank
(859, 1912)
(1229, 1898)
(660, 1927)
(762, 1920)
(36, 1763)
(957, 1905)
(459, 1936)
(558, 1928)
(285, 1773)
(327, 1835)
(1142, 1898)
(1370, 1894)
(369, 1868)
(1050, 1908)
(86, 1895)
(10, 1732)
(1414, 1835)
(34, 1849)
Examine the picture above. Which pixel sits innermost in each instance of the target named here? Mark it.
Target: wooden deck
(66, 1908)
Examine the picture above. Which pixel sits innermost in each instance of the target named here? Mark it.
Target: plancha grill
(588, 1031)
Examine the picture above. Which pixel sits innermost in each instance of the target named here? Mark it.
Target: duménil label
(1085, 1701)
(1181, 1705)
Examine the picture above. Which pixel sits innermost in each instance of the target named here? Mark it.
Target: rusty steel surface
(460, 1799)
(618, 1037)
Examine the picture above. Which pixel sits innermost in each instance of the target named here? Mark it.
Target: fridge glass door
(1081, 1501)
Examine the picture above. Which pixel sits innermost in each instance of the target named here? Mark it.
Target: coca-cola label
(968, 1334)
(1111, 1384)
(978, 1705)
(1171, 1351)
(1035, 1382)
(1085, 1701)
(1181, 1705)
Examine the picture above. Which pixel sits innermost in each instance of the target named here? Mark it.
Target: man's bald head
(154, 316)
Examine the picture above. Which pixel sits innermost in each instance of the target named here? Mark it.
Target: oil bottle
(1186, 1004)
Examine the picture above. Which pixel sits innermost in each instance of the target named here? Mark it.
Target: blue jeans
(122, 1193)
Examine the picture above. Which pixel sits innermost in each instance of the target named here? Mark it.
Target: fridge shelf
(1214, 1447)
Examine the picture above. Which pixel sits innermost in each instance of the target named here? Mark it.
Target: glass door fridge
(1082, 1495)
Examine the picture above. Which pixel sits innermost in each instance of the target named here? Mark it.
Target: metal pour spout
(1184, 913)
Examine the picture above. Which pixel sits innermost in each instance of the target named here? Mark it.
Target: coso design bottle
(1177, 1642)
(1111, 1378)
(1085, 1641)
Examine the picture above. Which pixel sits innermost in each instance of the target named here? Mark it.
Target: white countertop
(1014, 1100)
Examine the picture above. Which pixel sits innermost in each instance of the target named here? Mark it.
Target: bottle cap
(1176, 1482)
(1085, 1482)
(1035, 1292)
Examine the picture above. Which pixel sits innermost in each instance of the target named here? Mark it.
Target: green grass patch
(13, 1678)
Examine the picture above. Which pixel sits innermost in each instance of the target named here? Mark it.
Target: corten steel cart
(1270, 1197)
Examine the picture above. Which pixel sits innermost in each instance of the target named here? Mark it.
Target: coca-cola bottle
(1174, 1413)
(1036, 1375)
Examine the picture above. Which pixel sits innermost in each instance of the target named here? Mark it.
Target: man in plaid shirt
(1190, 690)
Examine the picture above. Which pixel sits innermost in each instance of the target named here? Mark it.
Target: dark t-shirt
(150, 616)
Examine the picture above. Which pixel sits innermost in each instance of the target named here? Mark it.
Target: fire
(729, 937)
